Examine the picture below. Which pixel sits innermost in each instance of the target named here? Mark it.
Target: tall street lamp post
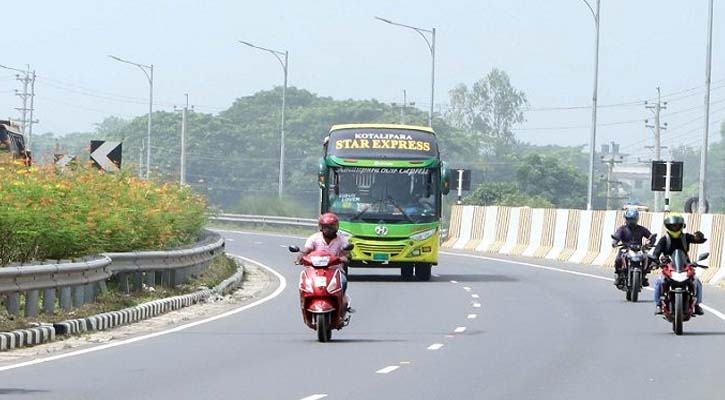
(432, 47)
(282, 57)
(701, 199)
(148, 70)
(593, 138)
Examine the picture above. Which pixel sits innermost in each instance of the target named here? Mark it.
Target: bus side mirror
(322, 173)
(445, 178)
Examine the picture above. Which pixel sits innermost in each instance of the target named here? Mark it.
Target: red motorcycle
(324, 306)
(678, 290)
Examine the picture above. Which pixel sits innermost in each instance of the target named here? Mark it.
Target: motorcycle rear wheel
(324, 331)
(678, 314)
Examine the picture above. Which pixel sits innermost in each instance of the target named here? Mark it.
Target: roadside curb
(108, 320)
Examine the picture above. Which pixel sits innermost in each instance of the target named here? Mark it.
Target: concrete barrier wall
(576, 236)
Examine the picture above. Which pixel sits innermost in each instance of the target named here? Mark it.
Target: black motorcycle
(635, 267)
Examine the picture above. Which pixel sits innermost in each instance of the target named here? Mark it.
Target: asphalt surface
(479, 329)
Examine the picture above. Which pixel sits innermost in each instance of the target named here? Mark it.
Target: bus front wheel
(406, 271)
(422, 272)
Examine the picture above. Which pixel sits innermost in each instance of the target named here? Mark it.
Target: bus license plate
(380, 256)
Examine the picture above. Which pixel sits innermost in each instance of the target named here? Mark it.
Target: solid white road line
(387, 369)
(277, 292)
(475, 296)
(405, 363)
(476, 305)
(460, 329)
(315, 397)
(713, 311)
(472, 316)
(435, 346)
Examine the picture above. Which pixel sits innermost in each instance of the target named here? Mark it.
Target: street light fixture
(593, 138)
(432, 47)
(148, 70)
(282, 57)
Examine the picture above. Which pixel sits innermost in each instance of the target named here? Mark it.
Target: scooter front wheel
(324, 330)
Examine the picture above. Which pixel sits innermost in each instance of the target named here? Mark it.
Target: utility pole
(611, 157)
(32, 108)
(184, 127)
(403, 106)
(656, 109)
(25, 80)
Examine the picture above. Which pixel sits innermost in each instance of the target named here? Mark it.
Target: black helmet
(674, 224)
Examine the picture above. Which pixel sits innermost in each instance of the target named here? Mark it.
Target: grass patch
(114, 299)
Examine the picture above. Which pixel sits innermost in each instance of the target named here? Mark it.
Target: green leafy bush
(46, 214)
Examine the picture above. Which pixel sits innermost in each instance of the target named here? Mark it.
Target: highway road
(480, 329)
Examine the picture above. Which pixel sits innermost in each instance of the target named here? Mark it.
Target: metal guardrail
(80, 282)
(265, 220)
(281, 221)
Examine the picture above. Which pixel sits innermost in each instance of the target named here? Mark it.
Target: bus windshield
(398, 195)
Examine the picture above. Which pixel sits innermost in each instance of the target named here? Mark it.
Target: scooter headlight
(423, 235)
(334, 285)
(305, 283)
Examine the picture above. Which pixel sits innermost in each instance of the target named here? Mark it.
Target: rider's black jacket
(667, 244)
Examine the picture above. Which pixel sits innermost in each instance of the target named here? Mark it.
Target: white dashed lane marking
(466, 288)
(315, 397)
(472, 316)
(477, 305)
(475, 296)
(454, 281)
(460, 329)
(387, 369)
(435, 346)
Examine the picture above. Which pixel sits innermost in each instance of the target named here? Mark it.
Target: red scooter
(678, 289)
(324, 306)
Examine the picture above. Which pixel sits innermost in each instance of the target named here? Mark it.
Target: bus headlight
(423, 235)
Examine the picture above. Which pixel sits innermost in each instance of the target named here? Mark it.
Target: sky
(338, 49)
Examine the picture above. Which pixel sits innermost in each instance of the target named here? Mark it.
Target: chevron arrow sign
(106, 155)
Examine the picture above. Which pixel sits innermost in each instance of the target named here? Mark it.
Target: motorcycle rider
(631, 232)
(676, 239)
(327, 239)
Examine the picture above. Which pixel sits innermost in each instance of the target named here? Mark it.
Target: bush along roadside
(49, 214)
(117, 308)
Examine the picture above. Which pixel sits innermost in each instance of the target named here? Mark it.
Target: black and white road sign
(659, 176)
(62, 160)
(461, 178)
(106, 155)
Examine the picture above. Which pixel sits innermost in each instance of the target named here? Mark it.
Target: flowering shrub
(50, 214)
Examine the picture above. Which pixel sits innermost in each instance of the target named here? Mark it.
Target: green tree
(504, 194)
(562, 185)
(489, 109)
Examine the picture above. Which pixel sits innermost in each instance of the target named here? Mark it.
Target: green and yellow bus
(386, 182)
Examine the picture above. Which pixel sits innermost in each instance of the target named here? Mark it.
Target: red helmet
(329, 219)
